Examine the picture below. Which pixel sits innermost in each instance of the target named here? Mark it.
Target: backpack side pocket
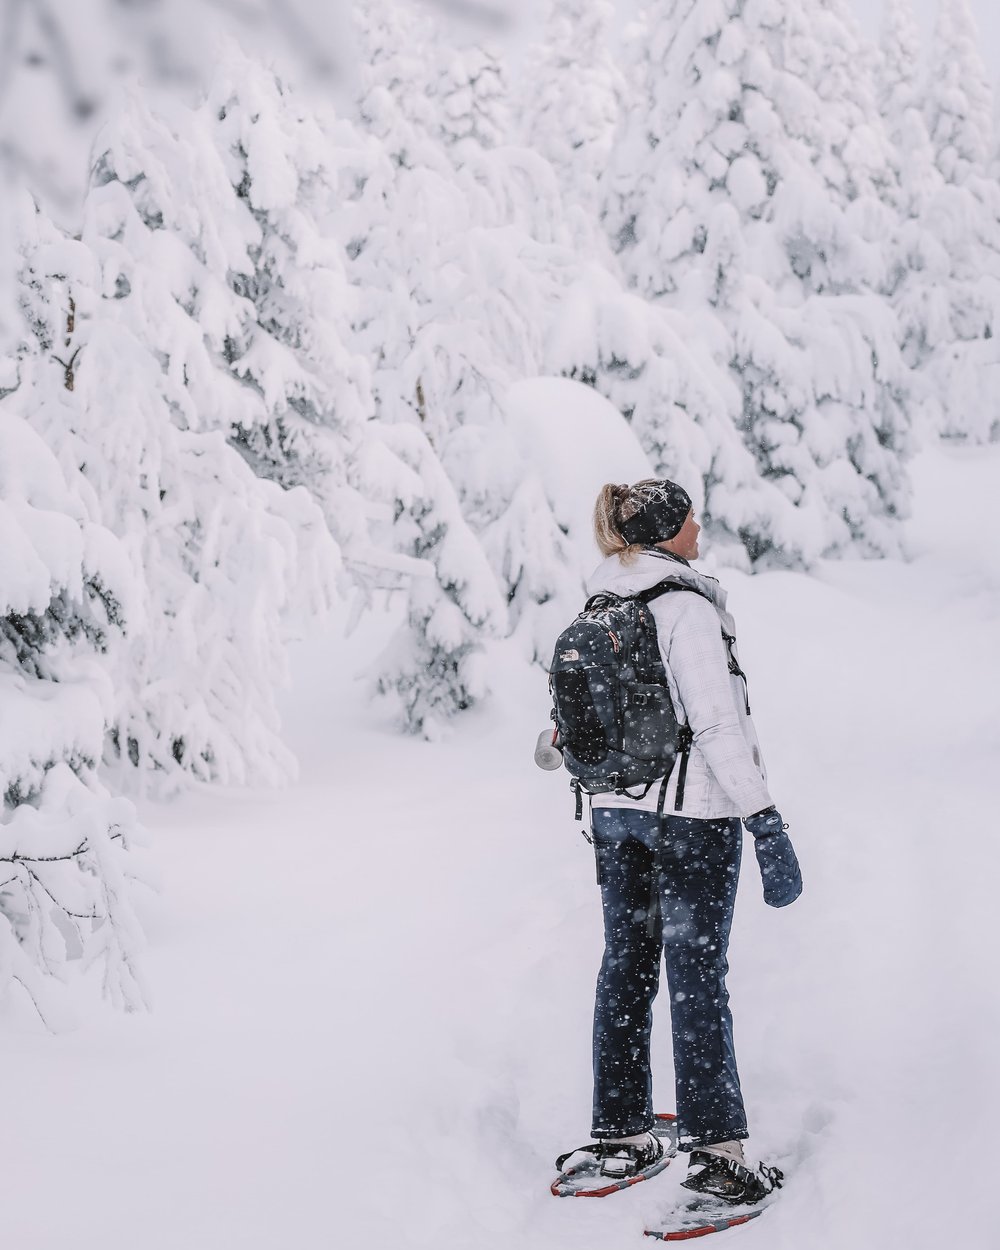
(649, 726)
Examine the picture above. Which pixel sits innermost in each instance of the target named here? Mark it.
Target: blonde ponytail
(616, 504)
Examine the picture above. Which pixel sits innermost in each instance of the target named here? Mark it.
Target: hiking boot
(728, 1178)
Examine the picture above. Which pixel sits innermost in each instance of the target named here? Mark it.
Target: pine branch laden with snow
(430, 98)
(297, 351)
(435, 666)
(66, 885)
(394, 102)
(259, 306)
(746, 191)
(571, 91)
(918, 280)
(64, 63)
(944, 260)
(220, 563)
(954, 233)
(958, 101)
(898, 84)
(528, 548)
(917, 178)
(471, 97)
(65, 861)
(857, 160)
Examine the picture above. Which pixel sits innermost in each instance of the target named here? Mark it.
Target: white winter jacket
(725, 774)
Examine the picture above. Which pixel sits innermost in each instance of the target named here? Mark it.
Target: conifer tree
(471, 96)
(571, 88)
(899, 97)
(259, 306)
(66, 858)
(898, 77)
(964, 218)
(63, 64)
(528, 550)
(729, 166)
(226, 564)
(394, 103)
(959, 99)
(295, 349)
(918, 271)
(456, 295)
(435, 666)
(843, 66)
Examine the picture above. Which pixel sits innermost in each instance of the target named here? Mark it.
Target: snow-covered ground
(372, 992)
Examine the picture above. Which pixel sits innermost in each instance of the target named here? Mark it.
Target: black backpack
(615, 721)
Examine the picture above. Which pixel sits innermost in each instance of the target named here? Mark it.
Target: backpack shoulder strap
(661, 588)
(664, 587)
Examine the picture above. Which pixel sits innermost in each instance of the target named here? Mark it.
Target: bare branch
(18, 858)
(77, 915)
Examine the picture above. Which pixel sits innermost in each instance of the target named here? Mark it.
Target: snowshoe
(602, 1168)
(729, 1180)
(732, 1194)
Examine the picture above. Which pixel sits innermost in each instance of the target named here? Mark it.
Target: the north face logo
(569, 655)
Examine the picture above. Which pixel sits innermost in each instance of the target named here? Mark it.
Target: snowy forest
(275, 355)
(321, 325)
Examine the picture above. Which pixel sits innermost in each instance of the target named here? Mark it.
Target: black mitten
(779, 868)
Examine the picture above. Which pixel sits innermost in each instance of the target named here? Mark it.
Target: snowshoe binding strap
(729, 1180)
(771, 1176)
(618, 1160)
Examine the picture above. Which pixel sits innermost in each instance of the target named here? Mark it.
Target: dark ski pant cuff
(686, 1142)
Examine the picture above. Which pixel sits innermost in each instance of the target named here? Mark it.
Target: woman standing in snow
(683, 865)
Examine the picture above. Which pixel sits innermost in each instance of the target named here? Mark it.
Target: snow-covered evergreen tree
(471, 98)
(963, 217)
(726, 196)
(657, 367)
(571, 89)
(527, 548)
(223, 563)
(260, 305)
(66, 592)
(435, 665)
(843, 66)
(63, 63)
(899, 97)
(898, 83)
(296, 350)
(394, 103)
(918, 269)
(959, 100)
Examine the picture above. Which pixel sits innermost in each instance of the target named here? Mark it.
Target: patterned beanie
(663, 509)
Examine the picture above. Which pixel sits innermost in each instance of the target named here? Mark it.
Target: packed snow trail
(372, 992)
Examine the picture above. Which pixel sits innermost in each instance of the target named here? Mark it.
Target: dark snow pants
(666, 885)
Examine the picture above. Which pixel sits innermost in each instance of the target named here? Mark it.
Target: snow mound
(576, 441)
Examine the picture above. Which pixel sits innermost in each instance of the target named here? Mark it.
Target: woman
(669, 882)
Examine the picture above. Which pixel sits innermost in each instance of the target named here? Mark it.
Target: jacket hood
(648, 568)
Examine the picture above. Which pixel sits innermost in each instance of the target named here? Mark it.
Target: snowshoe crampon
(589, 1171)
